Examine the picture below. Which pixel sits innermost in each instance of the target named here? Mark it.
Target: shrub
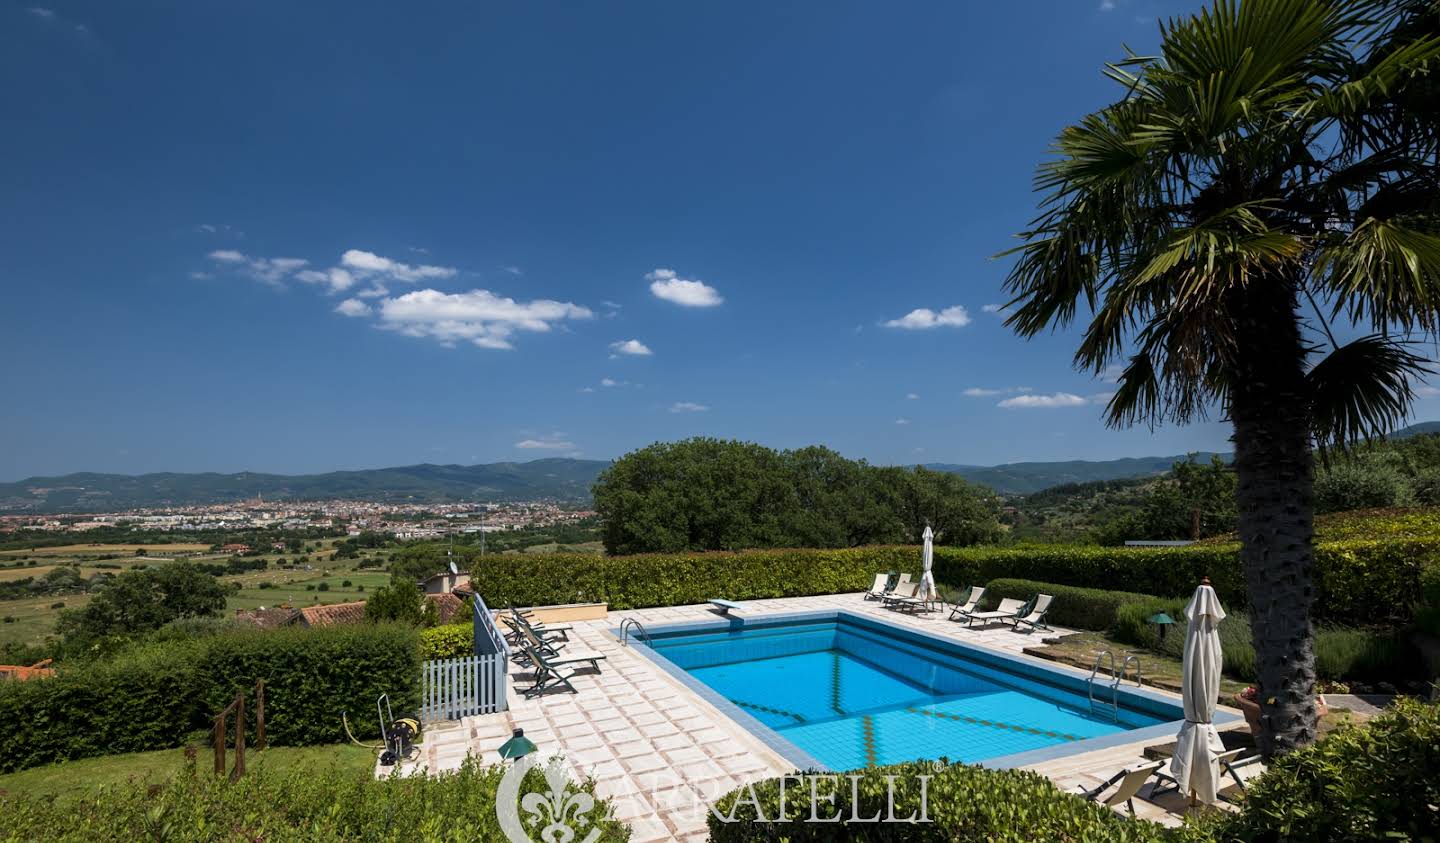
(964, 802)
(308, 803)
(1369, 580)
(1371, 782)
(1081, 608)
(345, 584)
(151, 696)
(324, 586)
(1340, 653)
(447, 642)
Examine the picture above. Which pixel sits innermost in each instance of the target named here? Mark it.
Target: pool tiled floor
(659, 752)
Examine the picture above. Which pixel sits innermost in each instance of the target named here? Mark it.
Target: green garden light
(518, 746)
(1162, 622)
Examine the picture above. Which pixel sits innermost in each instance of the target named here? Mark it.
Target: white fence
(455, 688)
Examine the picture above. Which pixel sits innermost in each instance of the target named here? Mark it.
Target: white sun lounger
(970, 605)
(1008, 608)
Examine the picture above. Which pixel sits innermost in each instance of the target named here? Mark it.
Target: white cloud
(1058, 399)
(902, 421)
(374, 291)
(1107, 5)
(337, 279)
(985, 392)
(513, 270)
(1427, 391)
(1111, 374)
(911, 396)
(632, 347)
(682, 291)
(545, 445)
(201, 276)
(923, 318)
(687, 407)
(587, 389)
(479, 317)
(353, 307)
(612, 305)
(367, 264)
(266, 270)
(47, 14)
(997, 309)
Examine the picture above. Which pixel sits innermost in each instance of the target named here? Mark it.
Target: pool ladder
(1115, 679)
(632, 624)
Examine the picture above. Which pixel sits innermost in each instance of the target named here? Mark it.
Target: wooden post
(220, 744)
(239, 738)
(260, 714)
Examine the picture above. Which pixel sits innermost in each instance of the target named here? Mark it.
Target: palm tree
(1272, 174)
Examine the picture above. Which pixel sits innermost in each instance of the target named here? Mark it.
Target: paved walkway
(659, 752)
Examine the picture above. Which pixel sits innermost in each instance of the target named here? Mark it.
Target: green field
(34, 618)
(73, 778)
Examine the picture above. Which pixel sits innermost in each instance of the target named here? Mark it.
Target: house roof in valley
(334, 614)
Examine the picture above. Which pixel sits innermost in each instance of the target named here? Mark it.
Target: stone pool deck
(659, 752)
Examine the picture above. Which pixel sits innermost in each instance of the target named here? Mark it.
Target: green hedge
(1341, 654)
(1357, 582)
(1080, 608)
(304, 805)
(156, 695)
(1359, 783)
(964, 802)
(451, 641)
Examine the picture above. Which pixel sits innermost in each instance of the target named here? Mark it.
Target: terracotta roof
(267, 618)
(20, 673)
(440, 574)
(447, 604)
(334, 614)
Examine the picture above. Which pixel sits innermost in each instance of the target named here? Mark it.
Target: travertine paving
(660, 753)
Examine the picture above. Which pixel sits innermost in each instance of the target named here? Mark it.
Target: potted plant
(1248, 703)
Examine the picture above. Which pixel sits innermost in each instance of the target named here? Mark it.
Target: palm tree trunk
(1274, 470)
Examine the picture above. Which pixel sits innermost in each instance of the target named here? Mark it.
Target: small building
(263, 618)
(235, 548)
(446, 582)
(335, 614)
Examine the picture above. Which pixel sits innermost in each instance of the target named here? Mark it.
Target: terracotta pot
(1252, 713)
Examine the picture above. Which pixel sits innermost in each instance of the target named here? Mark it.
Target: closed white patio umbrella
(1195, 769)
(927, 560)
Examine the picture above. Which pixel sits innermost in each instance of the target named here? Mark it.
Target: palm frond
(1362, 390)
(1385, 272)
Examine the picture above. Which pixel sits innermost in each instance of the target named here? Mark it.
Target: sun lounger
(1165, 776)
(558, 654)
(904, 591)
(960, 610)
(879, 587)
(1129, 780)
(547, 675)
(1008, 608)
(517, 620)
(914, 603)
(1036, 616)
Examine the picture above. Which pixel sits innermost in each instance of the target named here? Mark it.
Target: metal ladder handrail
(1130, 657)
(1114, 702)
(631, 623)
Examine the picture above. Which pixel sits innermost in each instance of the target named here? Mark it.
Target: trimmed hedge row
(961, 802)
(156, 695)
(1358, 582)
(309, 804)
(1080, 608)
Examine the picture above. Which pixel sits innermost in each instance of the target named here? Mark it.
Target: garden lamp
(1161, 621)
(518, 746)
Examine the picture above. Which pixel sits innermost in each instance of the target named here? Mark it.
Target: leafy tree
(400, 602)
(140, 601)
(1277, 153)
(709, 494)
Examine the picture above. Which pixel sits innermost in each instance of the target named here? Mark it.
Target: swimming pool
(842, 691)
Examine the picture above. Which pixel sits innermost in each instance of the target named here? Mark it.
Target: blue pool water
(852, 694)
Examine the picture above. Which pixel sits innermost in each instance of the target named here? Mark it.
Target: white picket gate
(455, 688)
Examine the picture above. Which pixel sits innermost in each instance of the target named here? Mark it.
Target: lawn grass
(1081, 648)
(73, 778)
(88, 549)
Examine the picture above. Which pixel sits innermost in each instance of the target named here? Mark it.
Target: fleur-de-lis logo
(554, 812)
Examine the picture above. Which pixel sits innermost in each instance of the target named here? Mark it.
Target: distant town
(403, 521)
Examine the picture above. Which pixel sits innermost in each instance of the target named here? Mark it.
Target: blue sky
(302, 236)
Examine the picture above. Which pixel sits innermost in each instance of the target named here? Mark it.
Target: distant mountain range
(554, 479)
